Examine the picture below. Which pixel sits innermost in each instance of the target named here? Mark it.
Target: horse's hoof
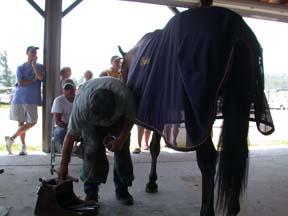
(151, 188)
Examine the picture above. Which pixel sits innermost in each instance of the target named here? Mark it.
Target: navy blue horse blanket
(178, 73)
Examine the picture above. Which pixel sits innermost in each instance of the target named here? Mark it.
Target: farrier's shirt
(81, 115)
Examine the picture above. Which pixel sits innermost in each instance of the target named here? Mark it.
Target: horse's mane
(148, 36)
(144, 39)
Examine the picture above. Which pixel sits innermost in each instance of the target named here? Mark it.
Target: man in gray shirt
(104, 107)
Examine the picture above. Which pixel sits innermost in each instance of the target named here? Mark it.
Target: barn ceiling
(277, 11)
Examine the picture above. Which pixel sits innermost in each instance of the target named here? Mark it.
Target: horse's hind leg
(151, 186)
(206, 160)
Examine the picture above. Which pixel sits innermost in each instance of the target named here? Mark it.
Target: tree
(7, 79)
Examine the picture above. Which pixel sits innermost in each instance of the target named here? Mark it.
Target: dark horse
(205, 64)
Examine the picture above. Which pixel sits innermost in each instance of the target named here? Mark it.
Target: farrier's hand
(115, 145)
(62, 171)
(77, 138)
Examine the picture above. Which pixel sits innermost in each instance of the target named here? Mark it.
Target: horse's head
(126, 62)
(133, 54)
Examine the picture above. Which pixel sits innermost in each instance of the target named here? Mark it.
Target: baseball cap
(68, 82)
(115, 57)
(31, 48)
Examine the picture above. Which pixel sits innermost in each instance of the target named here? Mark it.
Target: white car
(6, 94)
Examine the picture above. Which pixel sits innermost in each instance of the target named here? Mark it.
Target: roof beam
(170, 3)
(256, 9)
(36, 7)
(174, 10)
(247, 8)
(71, 7)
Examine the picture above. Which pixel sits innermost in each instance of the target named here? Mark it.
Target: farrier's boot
(91, 191)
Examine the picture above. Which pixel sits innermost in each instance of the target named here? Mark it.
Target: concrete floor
(179, 185)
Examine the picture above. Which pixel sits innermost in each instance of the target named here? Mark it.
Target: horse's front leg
(206, 160)
(151, 186)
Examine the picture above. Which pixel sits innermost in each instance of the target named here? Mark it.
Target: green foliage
(7, 79)
(16, 148)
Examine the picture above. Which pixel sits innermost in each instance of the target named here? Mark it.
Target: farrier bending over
(103, 107)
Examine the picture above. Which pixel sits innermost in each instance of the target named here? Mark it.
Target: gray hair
(103, 104)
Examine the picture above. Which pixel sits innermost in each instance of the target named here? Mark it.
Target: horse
(205, 64)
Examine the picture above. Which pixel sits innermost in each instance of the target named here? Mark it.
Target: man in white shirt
(61, 110)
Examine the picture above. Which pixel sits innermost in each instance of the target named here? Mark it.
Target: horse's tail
(233, 142)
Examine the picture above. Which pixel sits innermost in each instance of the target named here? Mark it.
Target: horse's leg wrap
(151, 186)
(206, 160)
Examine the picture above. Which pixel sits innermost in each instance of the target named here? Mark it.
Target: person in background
(114, 70)
(65, 73)
(103, 113)
(146, 132)
(171, 132)
(88, 75)
(61, 110)
(26, 98)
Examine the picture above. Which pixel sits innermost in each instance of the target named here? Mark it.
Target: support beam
(52, 54)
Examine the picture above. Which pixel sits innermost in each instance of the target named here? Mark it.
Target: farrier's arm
(66, 154)
(123, 136)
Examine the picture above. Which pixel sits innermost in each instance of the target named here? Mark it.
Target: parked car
(6, 94)
(278, 99)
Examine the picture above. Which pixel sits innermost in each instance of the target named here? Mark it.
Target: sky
(92, 31)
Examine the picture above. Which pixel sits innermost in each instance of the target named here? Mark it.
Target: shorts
(24, 113)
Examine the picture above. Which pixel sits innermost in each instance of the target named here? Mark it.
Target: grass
(4, 106)
(271, 143)
(16, 148)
